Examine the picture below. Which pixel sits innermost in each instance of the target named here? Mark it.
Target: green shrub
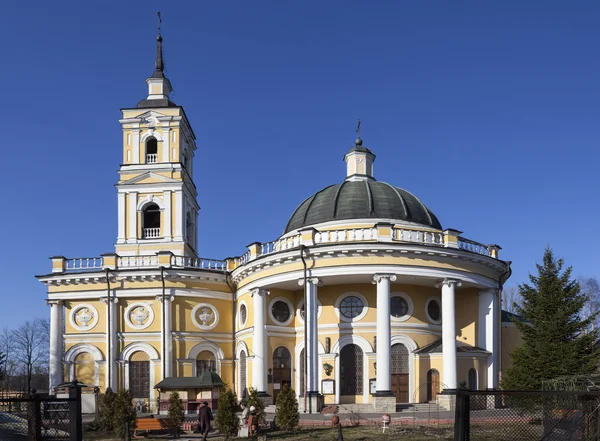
(123, 413)
(176, 412)
(286, 413)
(106, 403)
(253, 400)
(227, 421)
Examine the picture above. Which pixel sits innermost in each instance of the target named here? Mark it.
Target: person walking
(204, 418)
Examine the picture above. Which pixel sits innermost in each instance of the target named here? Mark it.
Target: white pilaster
(121, 217)
(259, 341)
(384, 343)
(111, 376)
(136, 146)
(132, 217)
(168, 349)
(166, 143)
(180, 216)
(312, 337)
(56, 326)
(449, 378)
(167, 214)
(487, 337)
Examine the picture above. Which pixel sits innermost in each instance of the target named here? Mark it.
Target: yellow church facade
(364, 300)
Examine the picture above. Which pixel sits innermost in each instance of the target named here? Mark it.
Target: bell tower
(157, 208)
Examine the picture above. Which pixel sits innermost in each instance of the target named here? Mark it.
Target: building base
(265, 398)
(385, 403)
(314, 403)
(447, 399)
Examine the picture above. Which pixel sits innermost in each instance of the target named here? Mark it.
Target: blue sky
(488, 111)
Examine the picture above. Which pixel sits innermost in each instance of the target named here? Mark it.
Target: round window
(351, 307)
(398, 307)
(433, 309)
(281, 311)
(243, 314)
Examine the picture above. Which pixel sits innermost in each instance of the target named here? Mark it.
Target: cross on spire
(160, 65)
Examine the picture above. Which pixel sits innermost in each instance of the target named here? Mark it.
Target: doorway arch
(282, 370)
(433, 384)
(400, 373)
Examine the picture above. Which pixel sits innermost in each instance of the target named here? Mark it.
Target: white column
(55, 365)
(121, 217)
(167, 214)
(179, 218)
(312, 338)
(487, 336)
(384, 341)
(449, 378)
(259, 341)
(166, 134)
(168, 349)
(132, 217)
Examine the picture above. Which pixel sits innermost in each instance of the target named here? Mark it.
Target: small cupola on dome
(359, 160)
(159, 86)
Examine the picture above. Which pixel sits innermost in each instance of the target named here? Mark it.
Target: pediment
(149, 178)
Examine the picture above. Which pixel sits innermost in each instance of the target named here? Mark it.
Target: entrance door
(282, 370)
(433, 384)
(400, 373)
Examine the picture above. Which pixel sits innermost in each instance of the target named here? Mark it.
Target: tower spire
(160, 64)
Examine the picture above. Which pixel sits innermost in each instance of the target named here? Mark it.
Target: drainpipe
(233, 310)
(108, 318)
(501, 281)
(302, 249)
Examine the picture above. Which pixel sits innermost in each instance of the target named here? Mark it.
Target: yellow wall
(511, 339)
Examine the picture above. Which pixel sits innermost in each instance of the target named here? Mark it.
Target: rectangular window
(129, 139)
(173, 136)
(128, 155)
(173, 154)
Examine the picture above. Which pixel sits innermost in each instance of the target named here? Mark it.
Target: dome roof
(361, 199)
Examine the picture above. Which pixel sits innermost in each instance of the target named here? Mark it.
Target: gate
(42, 417)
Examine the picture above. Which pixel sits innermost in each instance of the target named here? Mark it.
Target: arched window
(351, 370)
(151, 221)
(139, 375)
(473, 379)
(433, 384)
(282, 369)
(85, 368)
(151, 151)
(243, 390)
(302, 370)
(400, 372)
(205, 362)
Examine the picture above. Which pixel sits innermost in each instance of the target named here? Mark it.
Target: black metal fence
(527, 415)
(42, 417)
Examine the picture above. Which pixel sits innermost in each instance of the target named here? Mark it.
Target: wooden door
(400, 387)
(433, 384)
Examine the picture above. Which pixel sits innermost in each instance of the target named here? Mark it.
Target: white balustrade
(356, 234)
(151, 233)
(473, 247)
(84, 263)
(137, 261)
(192, 262)
(418, 236)
(151, 158)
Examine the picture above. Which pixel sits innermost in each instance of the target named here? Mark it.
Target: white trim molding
(210, 347)
(150, 199)
(367, 350)
(203, 326)
(290, 306)
(409, 303)
(240, 323)
(412, 346)
(150, 316)
(126, 354)
(359, 317)
(299, 310)
(81, 348)
(92, 321)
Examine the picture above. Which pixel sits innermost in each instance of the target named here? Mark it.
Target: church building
(365, 300)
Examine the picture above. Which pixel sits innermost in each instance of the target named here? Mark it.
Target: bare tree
(10, 364)
(31, 347)
(511, 298)
(591, 288)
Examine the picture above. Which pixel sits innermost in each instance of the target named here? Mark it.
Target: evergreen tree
(227, 421)
(253, 400)
(123, 412)
(286, 413)
(105, 410)
(176, 412)
(556, 339)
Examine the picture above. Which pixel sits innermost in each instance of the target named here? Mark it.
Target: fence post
(34, 416)
(75, 417)
(461, 420)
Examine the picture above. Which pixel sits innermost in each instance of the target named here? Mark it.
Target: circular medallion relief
(205, 316)
(139, 315)
(83, 317)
